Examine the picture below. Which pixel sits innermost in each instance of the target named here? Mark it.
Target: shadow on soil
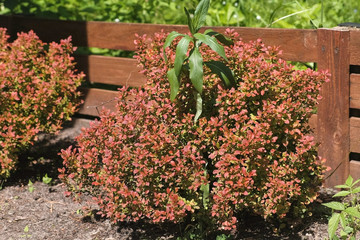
(43, 156)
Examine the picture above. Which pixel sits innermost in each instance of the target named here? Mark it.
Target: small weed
(31, 187)
(345, 213)
(26, 230)
(47, 180)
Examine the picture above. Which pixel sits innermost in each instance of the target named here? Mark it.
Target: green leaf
(46, 179)
(343, 220)
(206, 190)
(89, 9)
(181, 51)
(220, 37)
(212, 43)
(290, 15)
(343, 234)
(220, 69)
(206, 196)
(198, 105)
(200, 14)
(189, 21)
(349, 181)
(348, 230)
(31, 186)
(342, 194)
(196, 70)
(356, 190)
(335, 205)
(333, 224)
(174, 83)
(342, 186)
(357, 181)
(210, 32)
(353, 212)
(169, 40)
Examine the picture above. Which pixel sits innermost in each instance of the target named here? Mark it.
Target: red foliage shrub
(251, 147)
(38, 91)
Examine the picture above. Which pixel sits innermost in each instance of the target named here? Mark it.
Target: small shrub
(38, 91)
(250, 149)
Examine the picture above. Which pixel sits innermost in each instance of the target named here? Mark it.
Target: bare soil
(41, 211)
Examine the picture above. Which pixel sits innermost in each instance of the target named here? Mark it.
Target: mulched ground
(41, 211)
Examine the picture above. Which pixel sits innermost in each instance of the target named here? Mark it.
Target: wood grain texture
(97, 99)
(333, 111)
(111, 70)
(296, 44)
(355, 134)
(355, 169)
(355, 46)
(47, 30)
(355, 91)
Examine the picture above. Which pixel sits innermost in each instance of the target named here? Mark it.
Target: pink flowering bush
(250, 150)
(38, 91)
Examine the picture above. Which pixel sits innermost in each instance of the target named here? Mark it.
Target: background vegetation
(250, 13)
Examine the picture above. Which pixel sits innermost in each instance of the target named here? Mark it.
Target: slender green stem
(322, 14)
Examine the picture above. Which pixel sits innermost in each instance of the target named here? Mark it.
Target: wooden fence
(337, 123)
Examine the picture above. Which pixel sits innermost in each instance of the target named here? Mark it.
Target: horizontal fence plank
(48, 30)
(355, 104)
(355, 47)
(355, 91)
(96, 99)
(88, 34)
(355, 122)
(355, 169)
(296, 44)
(355, 134)
(111, 70)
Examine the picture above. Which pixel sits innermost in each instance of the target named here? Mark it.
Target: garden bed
(41, 211)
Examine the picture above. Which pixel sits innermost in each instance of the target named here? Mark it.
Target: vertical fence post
(333, 111)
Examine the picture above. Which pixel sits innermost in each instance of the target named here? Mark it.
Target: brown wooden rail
(335, 50)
